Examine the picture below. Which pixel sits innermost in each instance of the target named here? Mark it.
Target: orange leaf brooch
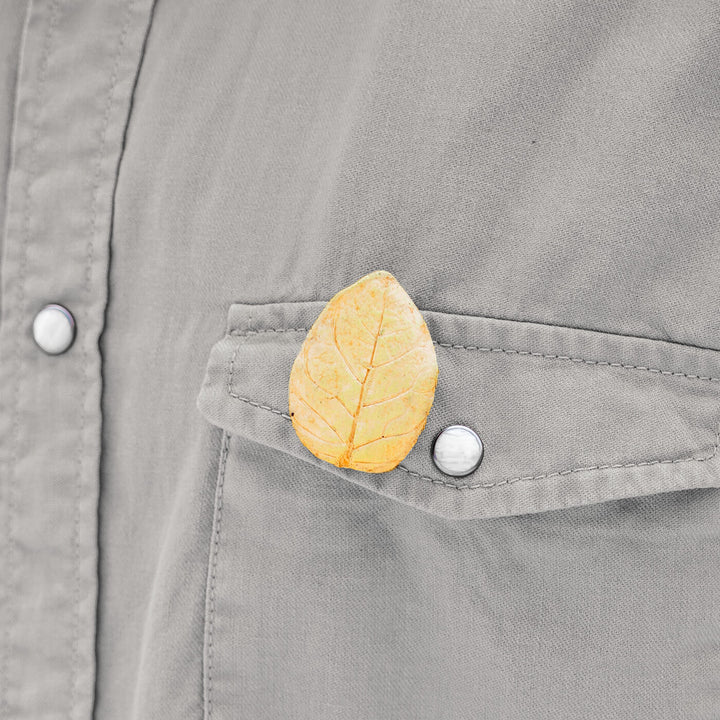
(363, 383)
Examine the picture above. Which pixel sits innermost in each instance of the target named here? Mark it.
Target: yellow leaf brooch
(363, 383)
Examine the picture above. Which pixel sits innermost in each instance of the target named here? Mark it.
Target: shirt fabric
(194, 181)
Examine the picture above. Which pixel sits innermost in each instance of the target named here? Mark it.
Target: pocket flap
(567, 416)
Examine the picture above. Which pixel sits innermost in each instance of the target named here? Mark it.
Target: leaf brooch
(363, 382)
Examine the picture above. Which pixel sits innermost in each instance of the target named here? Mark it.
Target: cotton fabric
(541, 178)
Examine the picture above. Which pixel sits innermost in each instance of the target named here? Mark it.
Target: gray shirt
(193, 182)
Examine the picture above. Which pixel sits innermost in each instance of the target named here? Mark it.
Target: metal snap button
(457, 451)
(54, 329)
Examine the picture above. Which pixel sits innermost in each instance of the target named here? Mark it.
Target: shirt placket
(77, 69)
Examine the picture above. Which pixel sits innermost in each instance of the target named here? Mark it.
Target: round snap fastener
(457, 451)
(54, 329)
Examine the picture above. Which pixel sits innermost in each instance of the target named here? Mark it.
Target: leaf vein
(307, 404)
(336, 345)
(388, 437)
(306, 429)
(325, 390)
(399, 395)
(395, 359)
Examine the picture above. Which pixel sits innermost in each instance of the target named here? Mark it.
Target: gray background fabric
(545, 162)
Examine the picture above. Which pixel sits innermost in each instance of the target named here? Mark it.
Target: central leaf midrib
(351, 438)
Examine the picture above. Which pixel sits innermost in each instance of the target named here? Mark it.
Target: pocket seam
(509, 351)
(215, 547)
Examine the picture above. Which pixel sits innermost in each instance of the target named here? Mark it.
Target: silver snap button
(54, 329)
(457, 451)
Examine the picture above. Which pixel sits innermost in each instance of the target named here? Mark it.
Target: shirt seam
(515, 351)
(19, 304)
(215, 548)
(512, 351)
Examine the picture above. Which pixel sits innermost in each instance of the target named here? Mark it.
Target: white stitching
(604, 363)
(513, 351)
(559, 473)
(213, 568)
(243, 333)
(19, 305)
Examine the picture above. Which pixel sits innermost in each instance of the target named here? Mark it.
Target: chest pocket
(567, 416)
